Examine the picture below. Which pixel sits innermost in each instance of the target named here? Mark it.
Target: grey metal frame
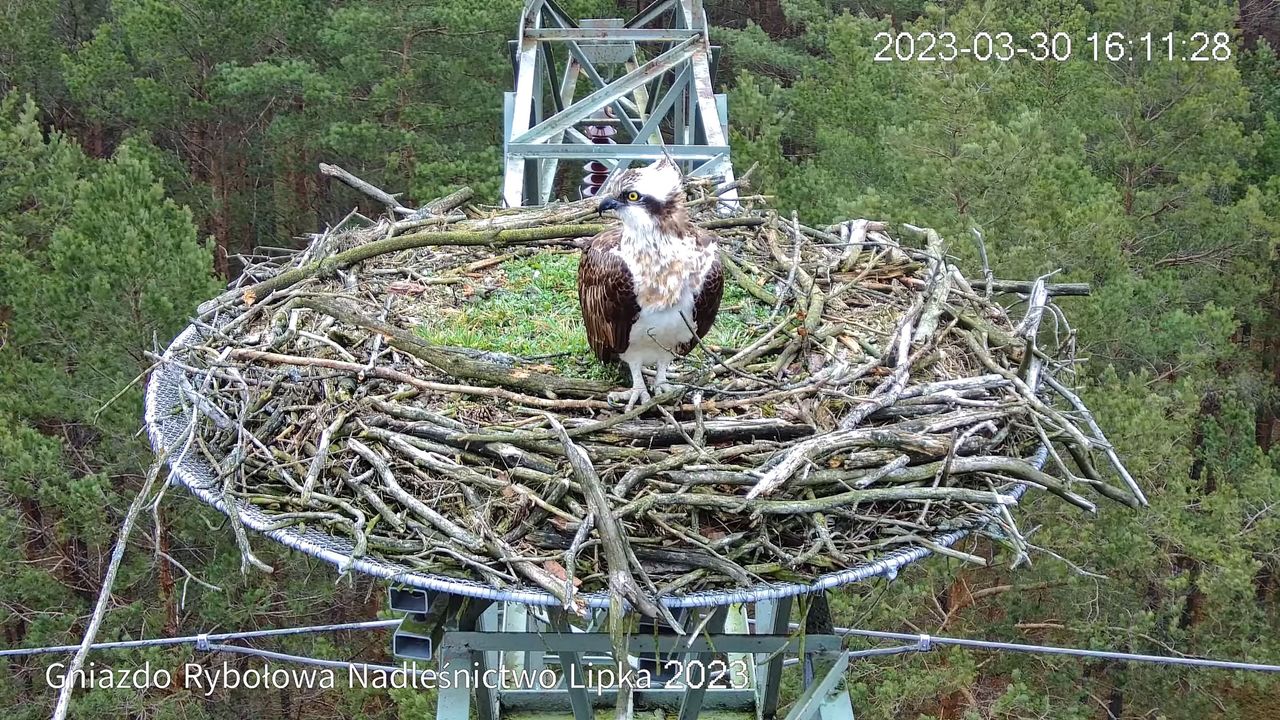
(472, 635)
(654, 73)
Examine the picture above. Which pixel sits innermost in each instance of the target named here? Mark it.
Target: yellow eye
(633, 196)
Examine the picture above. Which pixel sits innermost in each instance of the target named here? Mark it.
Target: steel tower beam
(650, 78)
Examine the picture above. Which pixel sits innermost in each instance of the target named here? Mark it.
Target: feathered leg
(637, 393)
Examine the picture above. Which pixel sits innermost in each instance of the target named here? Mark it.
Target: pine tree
(95, 265)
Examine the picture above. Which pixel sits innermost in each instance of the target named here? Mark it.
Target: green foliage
(97, 265)
(1260, 71)
(94, 265)
(232, 88)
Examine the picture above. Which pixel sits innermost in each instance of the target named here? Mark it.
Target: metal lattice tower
(650, 77)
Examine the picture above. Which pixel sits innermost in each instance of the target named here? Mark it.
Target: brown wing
(606, 296)
(706, 303)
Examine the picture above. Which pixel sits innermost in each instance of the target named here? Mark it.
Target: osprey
(650, 288)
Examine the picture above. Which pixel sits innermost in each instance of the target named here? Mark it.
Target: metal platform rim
(163, 430)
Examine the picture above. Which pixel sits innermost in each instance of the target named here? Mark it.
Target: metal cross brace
(653, 75)
(509, 640)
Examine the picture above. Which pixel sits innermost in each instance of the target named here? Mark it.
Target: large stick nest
(861, 396)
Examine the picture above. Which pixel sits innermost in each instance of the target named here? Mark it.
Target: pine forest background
(144, 143)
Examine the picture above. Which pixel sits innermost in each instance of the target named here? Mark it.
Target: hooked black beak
(608, 204)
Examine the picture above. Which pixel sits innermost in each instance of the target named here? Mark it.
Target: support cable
(919, 643)
(307, 660)
(926, 640)
(202, 640)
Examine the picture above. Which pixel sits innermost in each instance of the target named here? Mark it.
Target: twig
(376, 193)
(108, 581)
(360, 253)
(454, 363)
(611, 534)
(396, 375)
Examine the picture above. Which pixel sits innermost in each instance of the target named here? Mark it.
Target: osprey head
(647, 197)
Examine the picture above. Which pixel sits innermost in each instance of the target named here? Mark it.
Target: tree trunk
(1115, 704)
(1268, 424)
(166, 579)
(221, 220)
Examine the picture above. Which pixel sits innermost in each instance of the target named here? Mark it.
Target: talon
(630, 397)
(664, 388)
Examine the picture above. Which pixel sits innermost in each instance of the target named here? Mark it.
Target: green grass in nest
(533, 313)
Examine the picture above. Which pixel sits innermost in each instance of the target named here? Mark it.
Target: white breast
(666, 273)
(664, 269)
(658, 332)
